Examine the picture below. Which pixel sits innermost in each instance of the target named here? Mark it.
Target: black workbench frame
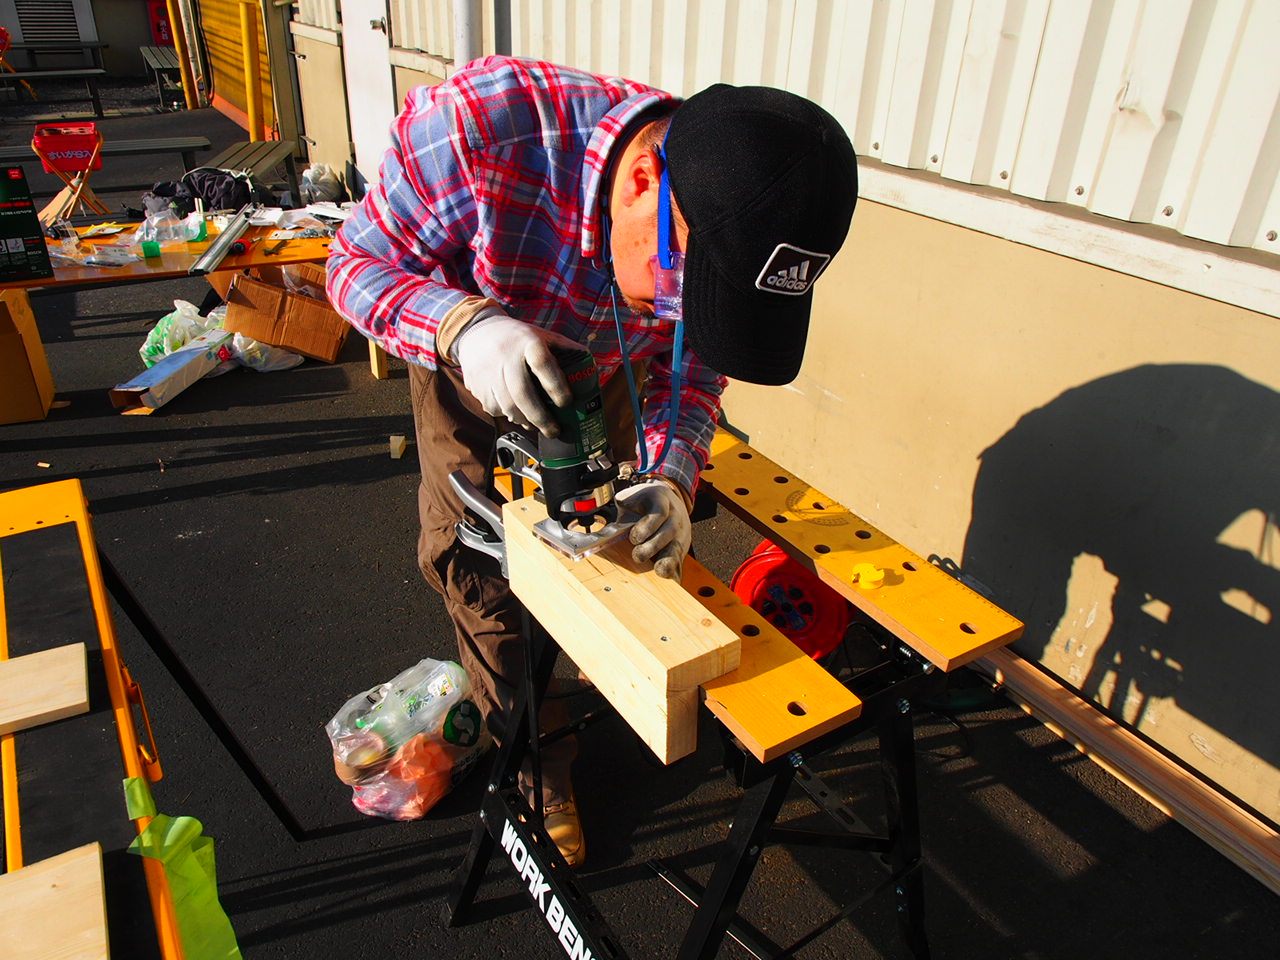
(888, 691)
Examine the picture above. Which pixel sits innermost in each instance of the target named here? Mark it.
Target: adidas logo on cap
(791, 270)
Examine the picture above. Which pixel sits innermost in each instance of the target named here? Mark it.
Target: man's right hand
(503, 360)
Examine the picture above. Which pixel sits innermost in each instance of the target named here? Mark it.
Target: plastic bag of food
(173, 330)
(403, 745)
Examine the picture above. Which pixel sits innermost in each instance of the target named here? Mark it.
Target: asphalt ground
(263, 526)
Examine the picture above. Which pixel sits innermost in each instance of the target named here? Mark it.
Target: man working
(524, 206)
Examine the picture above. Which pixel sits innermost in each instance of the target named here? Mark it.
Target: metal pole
(210, 260)
(468, 33)
(502, 27)
(252, 69)
(179, 29)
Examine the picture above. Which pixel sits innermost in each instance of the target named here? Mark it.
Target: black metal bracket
(507, 822)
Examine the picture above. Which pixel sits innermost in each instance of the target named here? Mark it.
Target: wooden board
(937, 615)
(643, 641)
(1250, 843)
(55, 909)
(778, 698)
(43, 687)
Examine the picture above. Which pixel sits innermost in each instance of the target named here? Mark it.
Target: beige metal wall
(322, 91)
(1102, 452)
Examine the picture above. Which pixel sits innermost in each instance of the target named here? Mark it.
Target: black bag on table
(219, 189)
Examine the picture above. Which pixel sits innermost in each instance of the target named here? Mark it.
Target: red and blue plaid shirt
(493, 187)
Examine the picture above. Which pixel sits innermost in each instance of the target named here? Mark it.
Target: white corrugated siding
(318, 13)
(425, 25)
(1153, 111)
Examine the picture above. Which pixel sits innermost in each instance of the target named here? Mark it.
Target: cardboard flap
(280, 318)
(257, 296)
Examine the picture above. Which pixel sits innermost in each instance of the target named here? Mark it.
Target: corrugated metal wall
(220, 22)
(318, 13)
(1155, 111)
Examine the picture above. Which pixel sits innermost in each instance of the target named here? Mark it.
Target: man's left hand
(664, 532)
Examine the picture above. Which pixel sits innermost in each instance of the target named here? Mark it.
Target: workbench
(656, 650)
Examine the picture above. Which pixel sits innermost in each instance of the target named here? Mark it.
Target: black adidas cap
(767, 182)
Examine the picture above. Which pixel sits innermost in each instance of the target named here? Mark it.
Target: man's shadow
(1170, 477)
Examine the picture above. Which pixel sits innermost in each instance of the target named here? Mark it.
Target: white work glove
(503, 360)
(663, 532)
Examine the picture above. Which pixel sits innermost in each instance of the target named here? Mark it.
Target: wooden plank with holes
(44, 686)
(935, 614)
(55, 908)
(645, 642)
(778, 698)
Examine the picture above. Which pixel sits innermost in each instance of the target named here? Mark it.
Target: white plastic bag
(162, 228)
(262, 357)
(402, 746)
(319, 182)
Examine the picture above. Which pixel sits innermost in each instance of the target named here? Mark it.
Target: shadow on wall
(1164, 482)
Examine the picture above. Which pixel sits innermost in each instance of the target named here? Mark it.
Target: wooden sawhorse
(776, 706)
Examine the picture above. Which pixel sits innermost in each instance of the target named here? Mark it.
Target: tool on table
(275, 247)
(223, 247)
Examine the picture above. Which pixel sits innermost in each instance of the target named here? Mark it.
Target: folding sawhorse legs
(508, 820)
(889, 711)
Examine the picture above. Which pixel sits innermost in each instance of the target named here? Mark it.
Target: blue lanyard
(666, 262)
(673, 406)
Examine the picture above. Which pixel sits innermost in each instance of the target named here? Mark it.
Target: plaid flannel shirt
(493, 187)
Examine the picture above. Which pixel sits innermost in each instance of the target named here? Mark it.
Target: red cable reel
(792, 598)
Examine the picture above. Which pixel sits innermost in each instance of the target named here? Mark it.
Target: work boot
(559, 818)
(565, 829)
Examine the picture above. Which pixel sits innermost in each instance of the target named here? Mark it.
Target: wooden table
(175, 260)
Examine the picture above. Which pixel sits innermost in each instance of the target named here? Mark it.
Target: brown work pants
(454, 433)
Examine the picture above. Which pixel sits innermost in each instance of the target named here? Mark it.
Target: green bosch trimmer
(573, 469)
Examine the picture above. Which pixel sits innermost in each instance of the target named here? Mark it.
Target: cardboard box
(304, 278)
(153, 388)
(275, 316)
(23, 252)
(26, 385)
(220, 280)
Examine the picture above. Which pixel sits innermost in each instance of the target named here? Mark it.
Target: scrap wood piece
(55, 908)
(644, 641)
(42, 687)
(922, 605)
